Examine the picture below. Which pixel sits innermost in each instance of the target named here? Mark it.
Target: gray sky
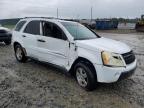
(71, 8)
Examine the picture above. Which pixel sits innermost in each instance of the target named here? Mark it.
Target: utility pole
(57, 13)
(91, 13)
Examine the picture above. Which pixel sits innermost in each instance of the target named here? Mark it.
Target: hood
(104, 44)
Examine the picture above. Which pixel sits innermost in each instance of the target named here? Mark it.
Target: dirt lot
(37, 85)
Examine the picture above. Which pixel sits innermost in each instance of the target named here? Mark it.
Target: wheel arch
(17, 43)
(84, 60)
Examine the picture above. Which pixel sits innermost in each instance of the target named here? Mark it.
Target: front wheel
(85, 76)
(19, 54)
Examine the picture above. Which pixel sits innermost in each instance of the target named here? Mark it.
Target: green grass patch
(9, 26)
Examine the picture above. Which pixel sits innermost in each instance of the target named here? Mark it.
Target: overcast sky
(71, 8)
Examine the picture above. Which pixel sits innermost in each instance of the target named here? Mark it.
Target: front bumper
(113, 74)
(127, 74)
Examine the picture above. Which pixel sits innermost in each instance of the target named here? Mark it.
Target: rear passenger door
(53, 45)
(30, 33)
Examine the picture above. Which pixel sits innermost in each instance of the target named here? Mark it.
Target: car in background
(5, 35)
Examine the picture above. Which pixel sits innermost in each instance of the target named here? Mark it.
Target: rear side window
(33, 27)
(20, 25)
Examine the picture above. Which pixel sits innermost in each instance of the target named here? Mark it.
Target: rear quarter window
(19, 25)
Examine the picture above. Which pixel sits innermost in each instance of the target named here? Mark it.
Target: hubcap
(81, 77)
(19, 53)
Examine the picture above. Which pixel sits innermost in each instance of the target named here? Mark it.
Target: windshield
(78, 31)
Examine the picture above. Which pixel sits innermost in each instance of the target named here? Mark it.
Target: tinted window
(20, 25)
(33, 27)
(78, 31)
(52, 30)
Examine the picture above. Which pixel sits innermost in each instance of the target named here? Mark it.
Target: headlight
(112, 59)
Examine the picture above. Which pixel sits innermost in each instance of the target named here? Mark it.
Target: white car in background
(75, 48)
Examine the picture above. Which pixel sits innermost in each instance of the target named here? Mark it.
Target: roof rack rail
(42, 17)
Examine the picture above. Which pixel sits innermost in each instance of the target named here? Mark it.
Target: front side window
(33, 27)
(52, 30)
(20, 25)
(78, 31)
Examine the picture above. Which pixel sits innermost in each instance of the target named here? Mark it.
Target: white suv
(75, 48)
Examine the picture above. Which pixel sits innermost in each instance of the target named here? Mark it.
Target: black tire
(91, 76)
(23, 57)
(7, 42)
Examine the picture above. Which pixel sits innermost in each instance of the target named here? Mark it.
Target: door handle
(23, 36)
(40, 40)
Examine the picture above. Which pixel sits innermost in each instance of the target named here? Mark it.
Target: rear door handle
(40, 40)
(23, 36)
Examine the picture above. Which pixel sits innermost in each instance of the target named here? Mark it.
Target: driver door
(53, 45)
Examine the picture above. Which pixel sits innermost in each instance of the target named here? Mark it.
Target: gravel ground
(37, 85)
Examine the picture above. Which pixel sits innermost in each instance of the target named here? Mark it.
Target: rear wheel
(19, 54)
(85, 76)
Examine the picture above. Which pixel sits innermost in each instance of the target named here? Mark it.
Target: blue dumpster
(106, 24)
